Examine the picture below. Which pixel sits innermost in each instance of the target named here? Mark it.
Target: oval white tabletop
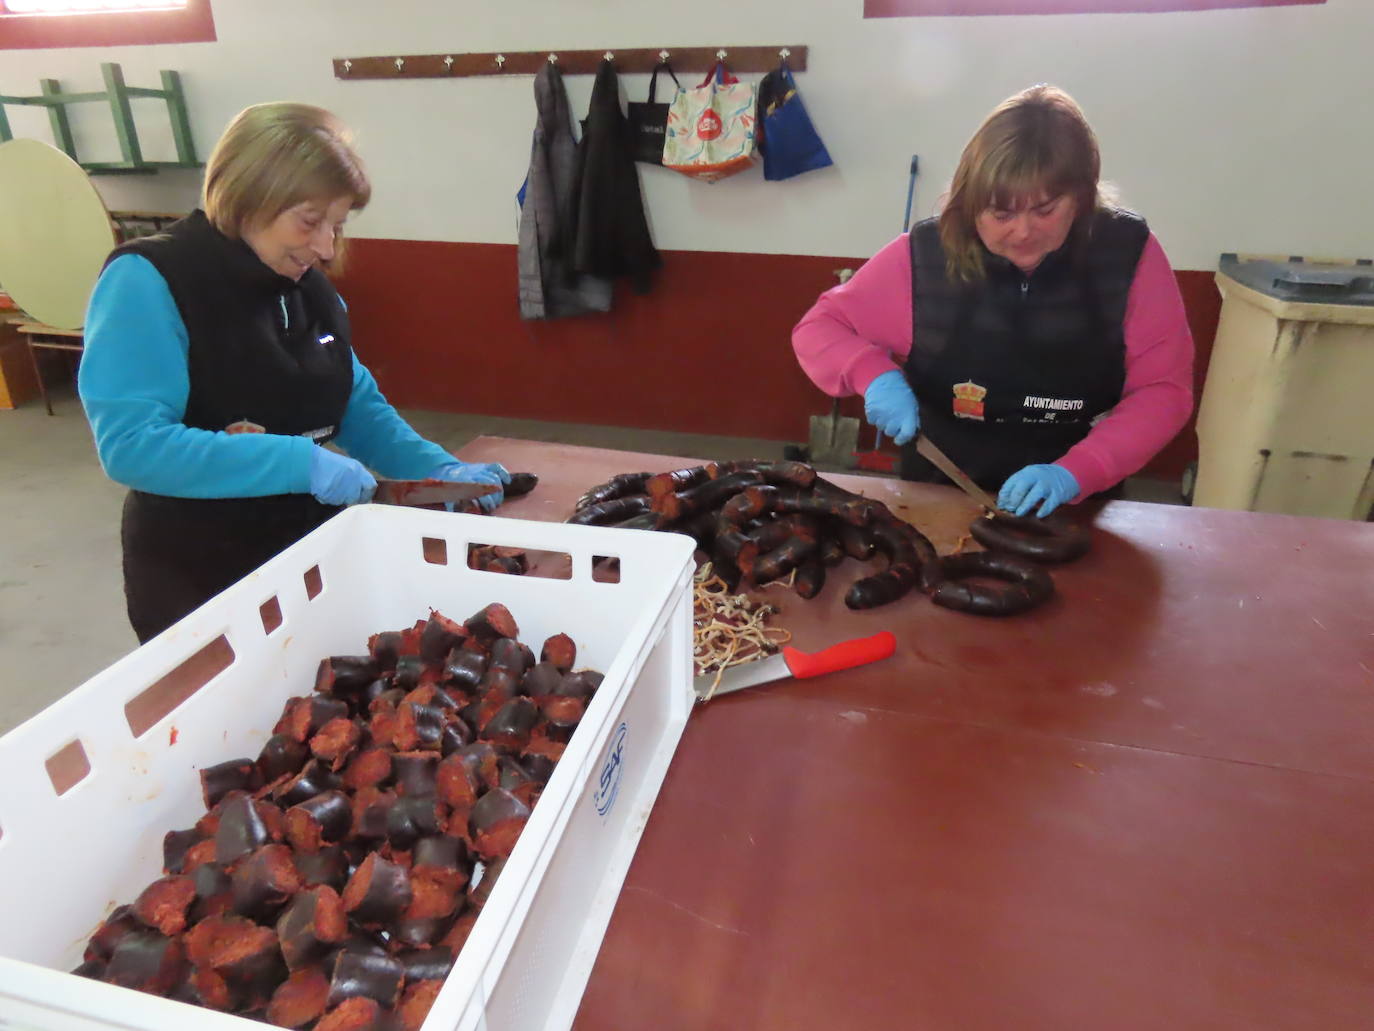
(55, 232)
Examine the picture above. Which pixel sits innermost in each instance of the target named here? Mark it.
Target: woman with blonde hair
(1033, 329)
(218, 362)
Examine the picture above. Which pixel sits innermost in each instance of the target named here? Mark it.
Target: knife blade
(429, 492)
(793, 662)
(941, 461)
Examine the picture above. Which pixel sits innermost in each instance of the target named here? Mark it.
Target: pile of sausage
(759, 521)
(334, 878)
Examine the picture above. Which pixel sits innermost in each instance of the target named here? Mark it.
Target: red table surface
(1145, 805)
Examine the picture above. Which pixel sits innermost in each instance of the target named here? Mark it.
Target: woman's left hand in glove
(1047, 485)
(476, 472)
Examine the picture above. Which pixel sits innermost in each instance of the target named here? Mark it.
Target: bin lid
(1304, 281)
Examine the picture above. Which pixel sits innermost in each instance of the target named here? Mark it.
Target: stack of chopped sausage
(334, 878)
(760, 521)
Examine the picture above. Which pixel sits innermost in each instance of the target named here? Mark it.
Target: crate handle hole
(270, 613)
(314, 582)
(68, 767)
(149, 707)
(435, 550)
(505, 561)
(606, 569)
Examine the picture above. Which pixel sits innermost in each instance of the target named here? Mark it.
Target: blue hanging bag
(790, 143)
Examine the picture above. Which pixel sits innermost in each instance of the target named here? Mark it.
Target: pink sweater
(859, 330)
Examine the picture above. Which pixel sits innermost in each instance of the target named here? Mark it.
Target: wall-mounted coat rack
(642, 60)
(117, 95)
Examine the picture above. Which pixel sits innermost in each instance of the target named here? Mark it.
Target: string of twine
(729, 629)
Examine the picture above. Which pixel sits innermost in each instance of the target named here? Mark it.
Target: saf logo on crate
(612, 769)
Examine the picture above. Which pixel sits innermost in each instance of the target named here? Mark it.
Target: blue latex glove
(336, 479)
(890, 405)
(475, 472)
(1051, 484)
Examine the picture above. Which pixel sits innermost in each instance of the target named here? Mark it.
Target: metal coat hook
(448, 63)
(663, 56)
(348, 66)
(500, 60)
(400, 63)
(784, 53)
(608, 56)
(720, 55)
(553, 59)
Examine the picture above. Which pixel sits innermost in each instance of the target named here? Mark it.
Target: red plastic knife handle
(845, 655)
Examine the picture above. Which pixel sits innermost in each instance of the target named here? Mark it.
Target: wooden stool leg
(38, 375)
(73, 358)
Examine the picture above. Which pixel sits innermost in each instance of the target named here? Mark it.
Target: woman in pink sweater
(1032, 329)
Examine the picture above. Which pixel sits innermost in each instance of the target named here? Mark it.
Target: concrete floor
(61, 591)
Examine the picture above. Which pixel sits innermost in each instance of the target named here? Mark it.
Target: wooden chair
(49, 338)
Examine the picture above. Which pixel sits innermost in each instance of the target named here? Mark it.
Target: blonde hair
(1034, 143)
(277, 155)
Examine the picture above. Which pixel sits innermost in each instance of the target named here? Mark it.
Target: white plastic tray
(67, 859)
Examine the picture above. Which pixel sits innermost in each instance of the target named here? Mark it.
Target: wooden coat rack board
(570, 62)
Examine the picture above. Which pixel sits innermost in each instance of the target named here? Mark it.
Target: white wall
(1230, 130)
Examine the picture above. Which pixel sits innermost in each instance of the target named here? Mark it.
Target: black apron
(264, 352)
(1014, 370)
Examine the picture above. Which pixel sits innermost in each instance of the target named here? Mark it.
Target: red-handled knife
(792, 662)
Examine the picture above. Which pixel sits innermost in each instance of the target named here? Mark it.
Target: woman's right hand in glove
(890, 405)
(336, 479)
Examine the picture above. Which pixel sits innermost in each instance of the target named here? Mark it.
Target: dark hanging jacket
(612, 234)
(550, 286)
(1012, 370)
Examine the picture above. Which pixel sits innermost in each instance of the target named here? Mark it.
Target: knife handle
(845, 655)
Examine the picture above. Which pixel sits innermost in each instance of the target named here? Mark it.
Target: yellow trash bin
(1286, 421)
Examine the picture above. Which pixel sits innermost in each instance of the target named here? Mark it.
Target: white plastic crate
(67, 859)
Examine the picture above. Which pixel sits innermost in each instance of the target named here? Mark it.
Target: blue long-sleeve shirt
(134, 383)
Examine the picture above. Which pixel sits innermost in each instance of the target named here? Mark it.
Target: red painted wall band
(707, 351)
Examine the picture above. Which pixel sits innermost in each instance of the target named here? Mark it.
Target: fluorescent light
(86, 6)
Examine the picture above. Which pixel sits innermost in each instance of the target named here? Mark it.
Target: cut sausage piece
(378, 892)
(300, 1000)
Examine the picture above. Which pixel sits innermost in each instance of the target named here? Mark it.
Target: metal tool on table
(833, 437)
(941, 461)
(792, 662)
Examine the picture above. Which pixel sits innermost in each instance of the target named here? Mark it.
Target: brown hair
(277, 155)
(1036, 142)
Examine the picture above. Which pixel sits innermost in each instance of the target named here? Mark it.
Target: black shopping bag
(648, 122)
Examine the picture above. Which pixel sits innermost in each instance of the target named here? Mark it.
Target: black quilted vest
(255, 336)
(1012, 371)
(263, 350)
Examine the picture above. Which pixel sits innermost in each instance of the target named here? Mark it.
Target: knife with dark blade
(429, 492)
(792, 662)
(422, 493)
(961, 479)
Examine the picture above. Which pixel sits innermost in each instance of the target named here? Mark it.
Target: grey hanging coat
(549, 286)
